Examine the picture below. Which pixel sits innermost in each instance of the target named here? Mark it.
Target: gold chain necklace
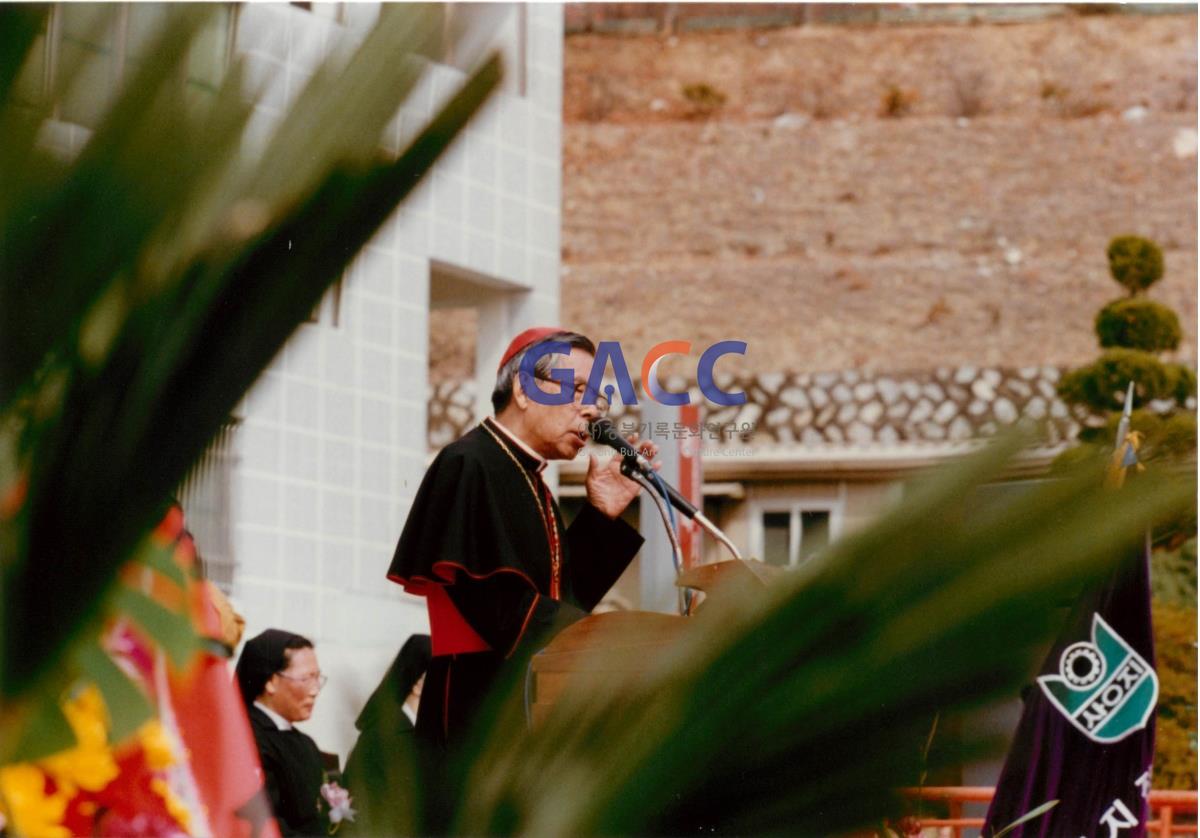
(546, 513)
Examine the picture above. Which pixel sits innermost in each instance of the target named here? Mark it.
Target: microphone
(604, 433)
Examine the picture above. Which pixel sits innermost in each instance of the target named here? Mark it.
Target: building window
(777, 538)
(110, 43)
(206, 497)
(814, 532)
(791, 535)
(468, 31)
(79, 32)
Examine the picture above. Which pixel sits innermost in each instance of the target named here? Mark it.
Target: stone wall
(789, 409)
(646, 18)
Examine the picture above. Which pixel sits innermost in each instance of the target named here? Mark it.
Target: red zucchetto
(526, 339)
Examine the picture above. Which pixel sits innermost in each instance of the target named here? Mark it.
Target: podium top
(631, 641)
(620, 641)
(708, 577)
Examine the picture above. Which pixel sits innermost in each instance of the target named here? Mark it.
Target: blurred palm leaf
(799, 709)
(146, 284)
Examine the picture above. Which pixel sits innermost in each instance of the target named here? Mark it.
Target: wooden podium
(626, 644)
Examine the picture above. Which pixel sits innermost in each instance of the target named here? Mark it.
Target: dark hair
(263, 656)
(502, 393)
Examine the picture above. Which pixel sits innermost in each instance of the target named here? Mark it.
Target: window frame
(52, 55)
(833, 505)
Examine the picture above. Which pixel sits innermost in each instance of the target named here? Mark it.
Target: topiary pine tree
(1133, 332)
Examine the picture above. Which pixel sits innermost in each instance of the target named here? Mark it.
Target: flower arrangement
(151, 780)
(97, 786)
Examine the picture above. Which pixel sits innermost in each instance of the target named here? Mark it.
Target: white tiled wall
(332, 448)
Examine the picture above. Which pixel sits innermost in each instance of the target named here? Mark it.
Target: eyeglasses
(308, 680)
(584, 395)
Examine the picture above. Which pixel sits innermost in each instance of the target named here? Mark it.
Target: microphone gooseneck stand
(661, 492)
(635, 474)
(656, 496)
(715, 531)
(631, 468)
(604, 433)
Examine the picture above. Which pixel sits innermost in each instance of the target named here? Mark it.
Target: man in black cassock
(485, 544)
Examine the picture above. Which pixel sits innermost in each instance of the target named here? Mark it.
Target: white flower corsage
(339, 804)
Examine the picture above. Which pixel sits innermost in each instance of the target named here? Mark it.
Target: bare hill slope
(892, 198)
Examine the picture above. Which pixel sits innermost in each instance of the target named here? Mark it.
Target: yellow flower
(156, 745)
(176, 807)
(85, 768)
(88, 717)
(31, 812)
(90, 764)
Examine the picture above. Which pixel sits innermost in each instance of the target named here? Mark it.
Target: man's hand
(610, 491)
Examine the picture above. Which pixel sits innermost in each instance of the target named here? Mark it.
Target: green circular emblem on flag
(1103, 687)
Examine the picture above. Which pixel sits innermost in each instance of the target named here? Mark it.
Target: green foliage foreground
(146, 284)
(801, 709)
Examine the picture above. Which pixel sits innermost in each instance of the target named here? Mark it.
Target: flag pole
(1086, 734)
(1126, 413)
(1126, 445)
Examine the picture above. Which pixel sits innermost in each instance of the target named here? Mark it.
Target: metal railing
(1165, 807)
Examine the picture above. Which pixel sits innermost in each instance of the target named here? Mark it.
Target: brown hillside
(888, 197)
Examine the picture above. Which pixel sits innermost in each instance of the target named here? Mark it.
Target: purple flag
(1086, 736)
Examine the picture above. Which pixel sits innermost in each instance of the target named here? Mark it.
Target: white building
(313, 482)
(332, 442)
